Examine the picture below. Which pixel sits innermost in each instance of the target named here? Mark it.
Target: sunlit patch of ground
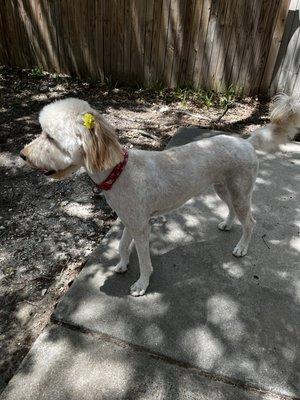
(47, 229)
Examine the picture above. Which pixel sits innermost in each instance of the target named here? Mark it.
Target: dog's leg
(141, 240)
(124, 250)
(224, 195)
(242, 208)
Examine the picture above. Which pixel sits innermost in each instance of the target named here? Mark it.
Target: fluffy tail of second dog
(285, 121)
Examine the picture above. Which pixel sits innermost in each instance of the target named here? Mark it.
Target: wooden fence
(286, 72)
(202, 43)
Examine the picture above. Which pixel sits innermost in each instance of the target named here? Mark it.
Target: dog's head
(285, 111)
(73, 135)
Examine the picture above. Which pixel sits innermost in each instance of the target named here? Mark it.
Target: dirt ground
(48, 228)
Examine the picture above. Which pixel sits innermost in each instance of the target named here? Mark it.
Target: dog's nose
(23, 156)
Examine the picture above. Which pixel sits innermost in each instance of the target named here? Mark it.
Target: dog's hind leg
(242, 206)
(141, 241)
(224, 195)
(124, 250)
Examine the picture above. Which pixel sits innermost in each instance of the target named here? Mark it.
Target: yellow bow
(88, 120)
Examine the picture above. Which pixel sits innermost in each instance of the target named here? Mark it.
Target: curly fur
(285, 120)
(155, 182)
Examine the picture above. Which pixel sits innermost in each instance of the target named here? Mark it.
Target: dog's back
(173, 176)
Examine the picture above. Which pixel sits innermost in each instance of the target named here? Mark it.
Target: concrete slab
(67, 365)
(238, 318)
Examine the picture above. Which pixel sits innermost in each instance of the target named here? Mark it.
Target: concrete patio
(211, 326)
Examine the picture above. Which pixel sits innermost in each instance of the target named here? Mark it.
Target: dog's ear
(101, 149)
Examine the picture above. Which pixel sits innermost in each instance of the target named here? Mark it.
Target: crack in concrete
(171, 361)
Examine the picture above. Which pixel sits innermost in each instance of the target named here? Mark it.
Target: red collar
(115, 173)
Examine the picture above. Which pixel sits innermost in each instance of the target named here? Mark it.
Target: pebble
(98, 222)
(164, 109)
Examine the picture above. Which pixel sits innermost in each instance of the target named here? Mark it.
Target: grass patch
(37, 71)
(198, 97)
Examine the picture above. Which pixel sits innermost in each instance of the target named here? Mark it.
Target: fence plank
(169, 41)
(193, 42)
(163, 37)
(219, 45)
(67, 50)
(127, 40)
(267, 18)
(229, 56)
(241, 30)
(16, 31)
(157, 31)
(149, 25)
(202, 35)
(248, 72)
(137, 41)
(113, 38)
(294, 57)
(99, 39)
(3, 41)
(106, 39)
(291, 45)
(212, 25)
(275, 44)
(225, 30)
(182, 49)
(283, 49)
(174, 41)
(117, 33)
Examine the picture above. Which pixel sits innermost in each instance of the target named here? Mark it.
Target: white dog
(155, 182)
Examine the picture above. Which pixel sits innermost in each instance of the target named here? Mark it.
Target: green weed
(111, 83)
(37, 71)
(227, 98)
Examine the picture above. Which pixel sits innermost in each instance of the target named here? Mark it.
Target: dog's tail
(285, 117)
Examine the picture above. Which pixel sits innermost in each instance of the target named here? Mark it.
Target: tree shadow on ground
(229, 320)
(27, 188)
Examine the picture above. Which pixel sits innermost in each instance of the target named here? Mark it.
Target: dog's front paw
(139, 287)
(120, 268)
(223, 226)
(240, 250)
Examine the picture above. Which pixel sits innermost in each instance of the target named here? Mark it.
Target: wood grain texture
(164, 36)
(148, 41)
(251, 45)
(194, 40)
(285, 73)
(275, 44)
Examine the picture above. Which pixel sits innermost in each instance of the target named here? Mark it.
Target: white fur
(155, 182)
(285, 121)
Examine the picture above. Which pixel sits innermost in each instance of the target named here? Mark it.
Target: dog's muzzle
(46, 172)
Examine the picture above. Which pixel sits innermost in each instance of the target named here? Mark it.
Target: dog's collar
(107, 184)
